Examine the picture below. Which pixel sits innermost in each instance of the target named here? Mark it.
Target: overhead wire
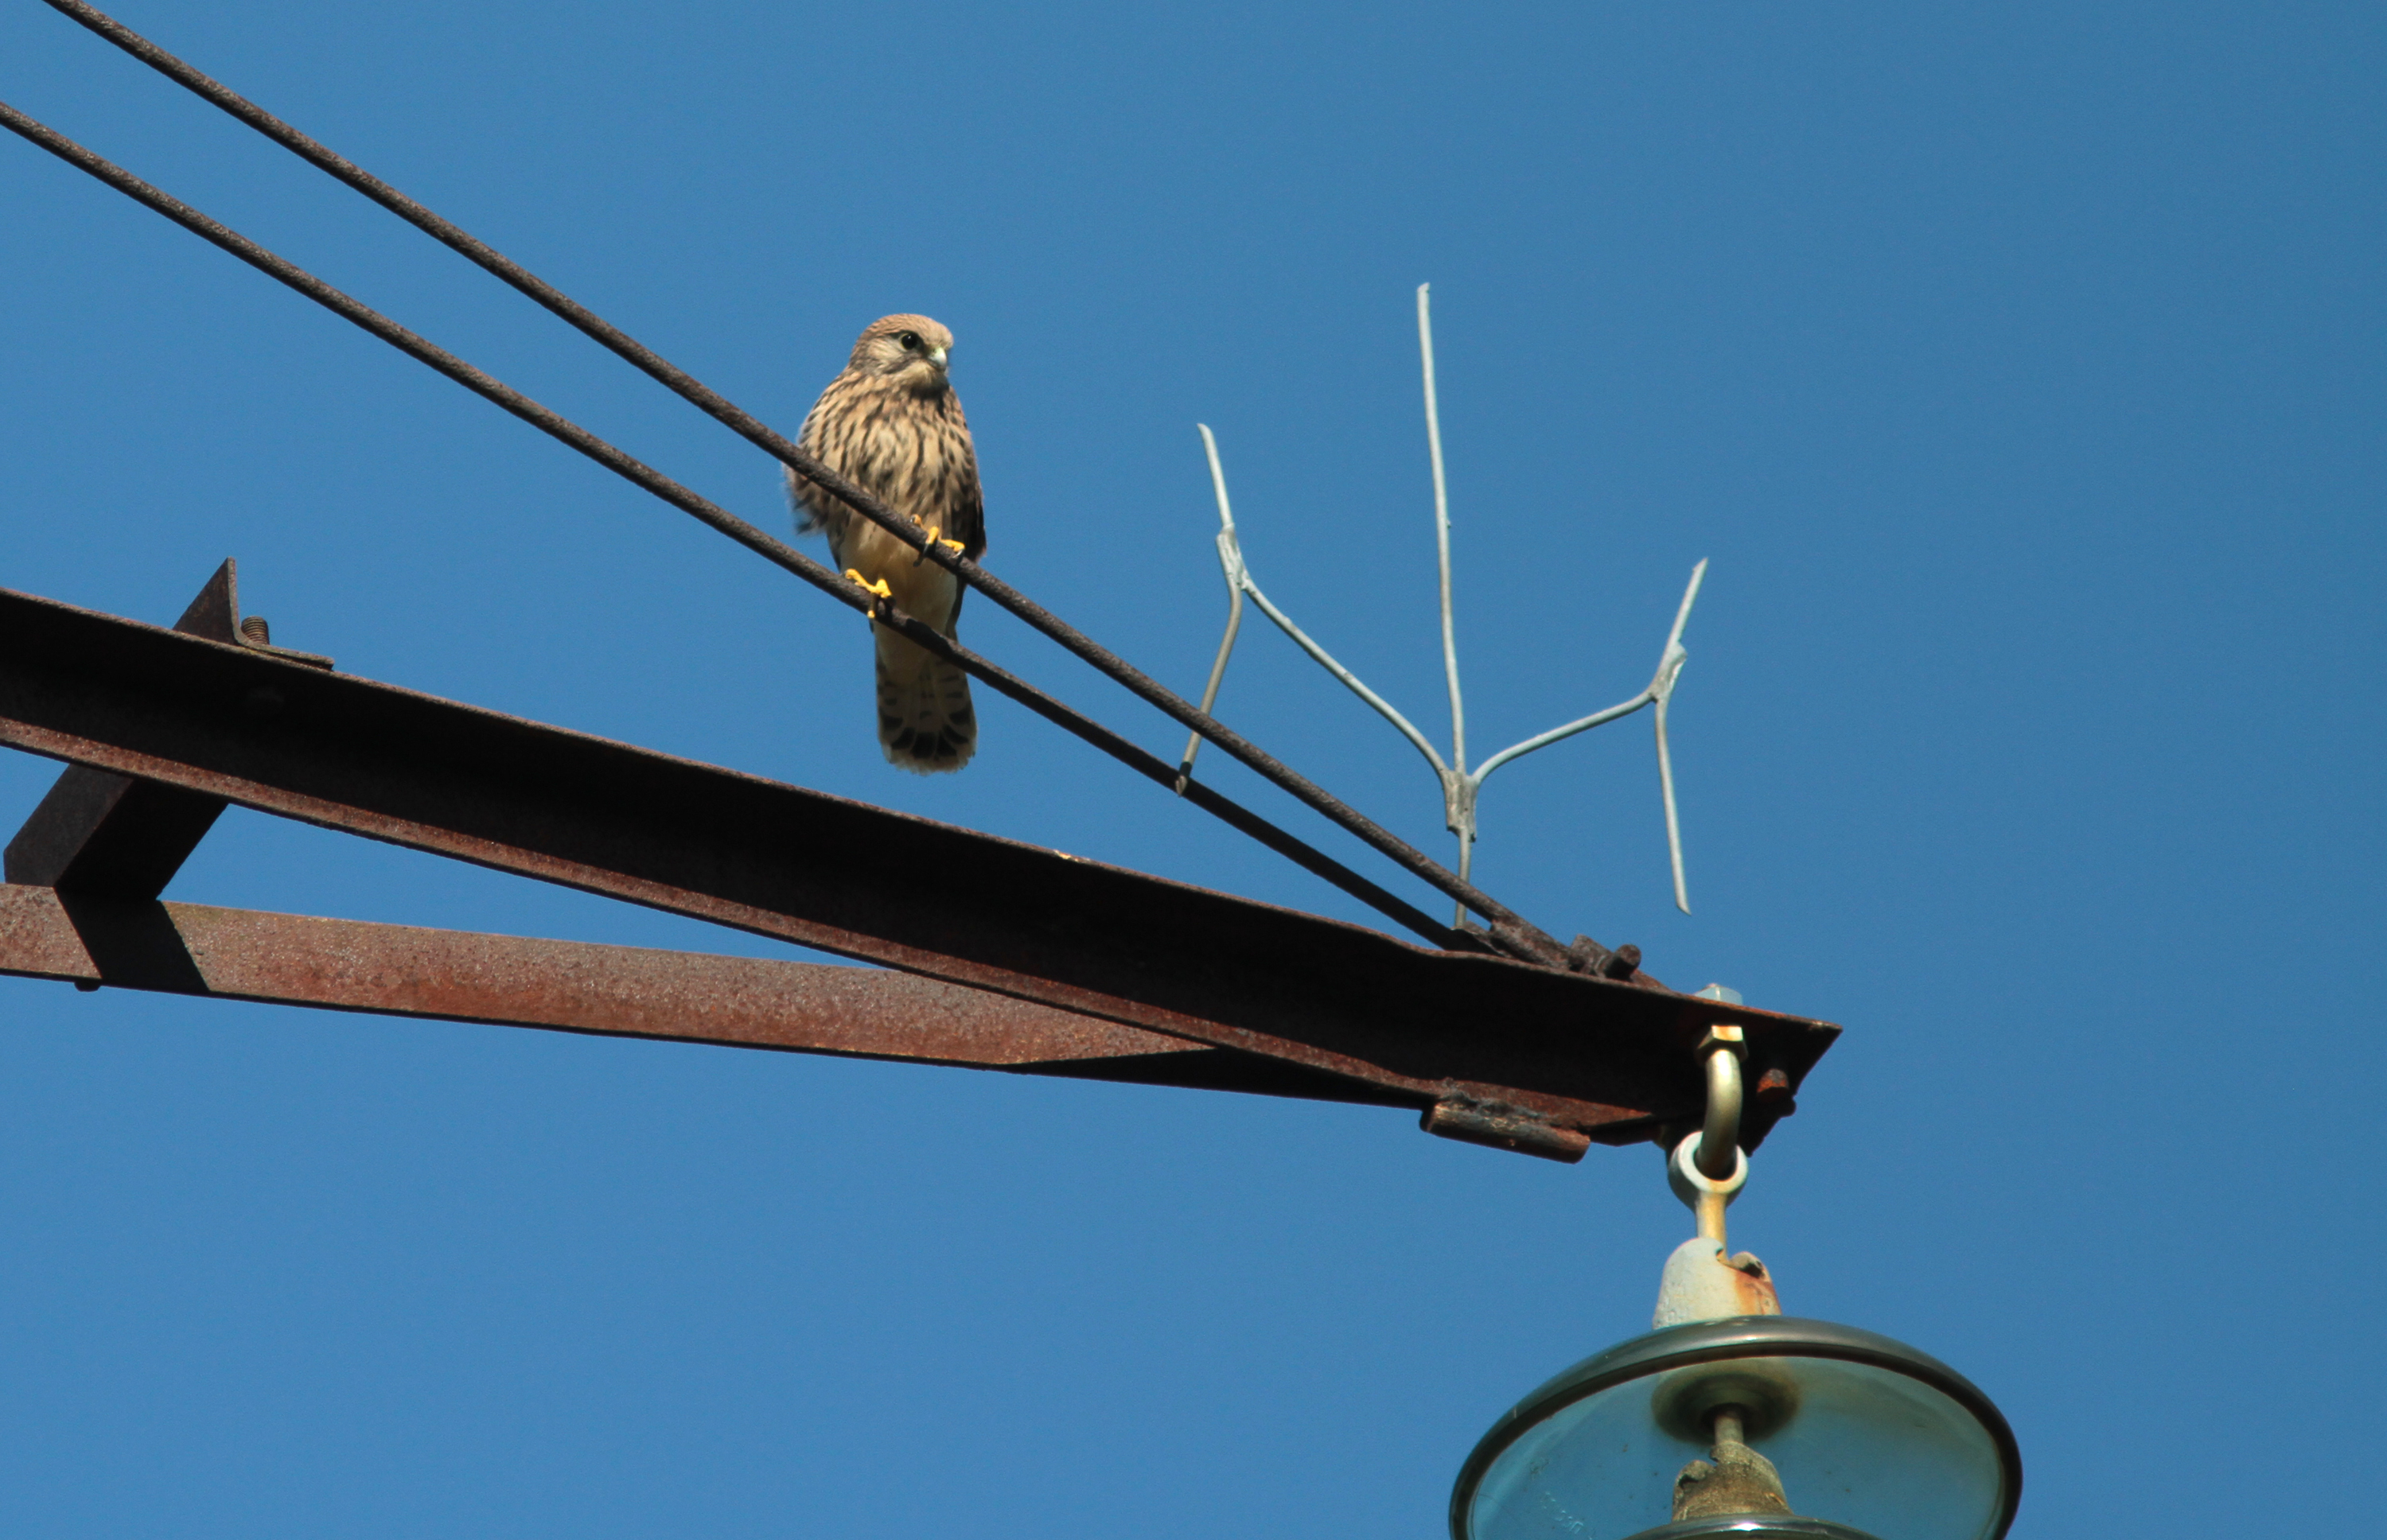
(778, 551)
(1509, 930)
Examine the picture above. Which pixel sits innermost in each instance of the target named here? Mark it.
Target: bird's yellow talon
(879, 588)
(936, 537)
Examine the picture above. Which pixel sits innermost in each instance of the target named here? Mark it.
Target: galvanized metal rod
(1240, 580)
(1673, 822)
(777, 551)
(1522, 937)
(1218, 676)
(1231, 562)
(1459, 800)
(1661, 690)
(1466, 833)
(1708, 1216)
(1670, 669)
(1326, 660)
(1442, 535)
(1543, 740)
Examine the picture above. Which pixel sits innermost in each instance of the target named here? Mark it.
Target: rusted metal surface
(1701, 1283)
(509, 980)
(108, 835)
(618, 992)
(1502, 1127)
(1739, 1489)
(97, 832)
(1598, 1057)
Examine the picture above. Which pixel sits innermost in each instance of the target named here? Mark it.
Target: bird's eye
(911, 341)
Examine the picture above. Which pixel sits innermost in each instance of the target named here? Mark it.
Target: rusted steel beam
(101, 833)
(97, 832)
(608, 991)
(509, 980)
(1507, 1047)
(108, 835)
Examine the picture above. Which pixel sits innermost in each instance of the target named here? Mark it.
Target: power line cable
(1514, 932)
(573, 435)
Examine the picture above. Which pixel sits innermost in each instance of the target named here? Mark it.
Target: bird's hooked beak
(937, 356)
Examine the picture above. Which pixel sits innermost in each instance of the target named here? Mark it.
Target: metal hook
(1720, 1133)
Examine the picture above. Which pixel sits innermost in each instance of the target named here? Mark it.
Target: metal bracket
(113, 836)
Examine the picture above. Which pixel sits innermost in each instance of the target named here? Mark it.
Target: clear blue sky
(2019, 368)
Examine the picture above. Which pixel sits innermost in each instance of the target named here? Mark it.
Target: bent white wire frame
(1460, 787)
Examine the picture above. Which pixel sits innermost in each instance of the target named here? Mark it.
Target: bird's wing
(966, 515)
(815, 508)
(968, 523)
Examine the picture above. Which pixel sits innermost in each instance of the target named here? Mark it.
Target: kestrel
(891, 425)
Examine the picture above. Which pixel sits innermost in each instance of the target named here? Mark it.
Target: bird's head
(908, 349)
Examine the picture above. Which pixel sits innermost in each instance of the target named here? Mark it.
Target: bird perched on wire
(891, 426)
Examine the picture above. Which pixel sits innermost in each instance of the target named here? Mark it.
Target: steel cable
(778, 551)
(1511, 929)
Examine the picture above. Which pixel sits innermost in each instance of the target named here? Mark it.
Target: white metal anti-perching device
(1460, 787)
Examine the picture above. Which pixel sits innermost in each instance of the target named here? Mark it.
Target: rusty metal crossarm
(605, 991)
(1500, 1046)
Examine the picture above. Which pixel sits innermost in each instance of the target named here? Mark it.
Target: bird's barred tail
(925, 721)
